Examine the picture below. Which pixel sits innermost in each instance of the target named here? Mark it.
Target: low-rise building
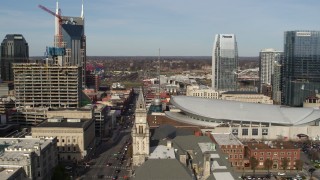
(275, 151)
(230, 145)
(246, 96)
(75, 132)
(37, 156)
(204, 92)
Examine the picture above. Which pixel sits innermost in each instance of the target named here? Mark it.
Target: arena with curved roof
(244, 119)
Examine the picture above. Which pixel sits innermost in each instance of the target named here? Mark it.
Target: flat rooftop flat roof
(226, 139)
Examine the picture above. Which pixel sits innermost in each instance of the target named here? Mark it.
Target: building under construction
(41, 85)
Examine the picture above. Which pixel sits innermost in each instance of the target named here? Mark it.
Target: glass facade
(300, 66)
(75, 42)
(14, 49)
(224, 63)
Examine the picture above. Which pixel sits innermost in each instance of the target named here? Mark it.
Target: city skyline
(140, 28)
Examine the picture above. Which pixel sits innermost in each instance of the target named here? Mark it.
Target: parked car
(281, 174)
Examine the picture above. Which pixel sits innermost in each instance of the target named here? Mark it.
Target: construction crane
(59, 38)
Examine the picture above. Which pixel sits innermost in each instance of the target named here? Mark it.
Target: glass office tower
(224, 63)
(74, 41)
(14, 49)
(300, 66)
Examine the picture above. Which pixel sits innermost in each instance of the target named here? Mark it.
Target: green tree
(311, 171)
(253, 164)
(284, 163)
(268, 164)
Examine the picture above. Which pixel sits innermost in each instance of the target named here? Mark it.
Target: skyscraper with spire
(224, 63)
(73, 39)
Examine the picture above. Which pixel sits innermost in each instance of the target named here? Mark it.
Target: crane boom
(59, 37)
(49, 11)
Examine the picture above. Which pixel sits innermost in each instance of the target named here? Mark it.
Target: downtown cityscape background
(67, 115)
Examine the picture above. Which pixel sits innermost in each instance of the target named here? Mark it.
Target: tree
(311, 170)
(299, 164)
(284, 163)
(253, 163)
(268, 164)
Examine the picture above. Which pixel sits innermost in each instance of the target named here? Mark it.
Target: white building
(266, 65)
(37, 156)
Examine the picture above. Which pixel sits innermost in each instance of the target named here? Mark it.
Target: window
(261, 154)
(245, 132)
(264, 132)
(235, 132)
(269, 153)
(140, 129)
(282, 153)
(230, 156)
(62, 140)
(289, 153)
(255, 132)
(235, 156)
(240, 156)
(74, 140)
(261, 158)
(74, 148)
(275, 153)
(255, 154)
(69, 149)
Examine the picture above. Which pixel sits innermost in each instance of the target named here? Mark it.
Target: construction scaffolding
(40, 85)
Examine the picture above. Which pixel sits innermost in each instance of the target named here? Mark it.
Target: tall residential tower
(224, 63)
(14, 49)
(268, 57)
(300, 66)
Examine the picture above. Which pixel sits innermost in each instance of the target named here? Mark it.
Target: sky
(177, 27)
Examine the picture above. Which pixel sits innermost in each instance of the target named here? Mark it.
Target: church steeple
(141, 105)
(140, 132)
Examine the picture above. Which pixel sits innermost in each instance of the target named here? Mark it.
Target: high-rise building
(14, 49)
(276, 83)
(266, 65)
(300, 66)
(73, 39)
(224, 62)
(40, 85)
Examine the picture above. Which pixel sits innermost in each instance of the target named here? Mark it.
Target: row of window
(235, 156)
(275, 153)
(68, 149)
(254, 132)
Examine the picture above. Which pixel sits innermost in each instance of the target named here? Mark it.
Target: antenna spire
(56, 20)
(82, 13)
(159, 73)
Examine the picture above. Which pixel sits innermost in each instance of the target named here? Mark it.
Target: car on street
(114, 177)
(118, 171)
(281, 173)
(109, 164)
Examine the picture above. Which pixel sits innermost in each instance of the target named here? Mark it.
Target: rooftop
(162, 169)
(161, 152)
(271, 145)
(242, 111)
(68, 123)
(226, 139)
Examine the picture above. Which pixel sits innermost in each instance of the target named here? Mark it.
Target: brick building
(276, 151)
(229, 144)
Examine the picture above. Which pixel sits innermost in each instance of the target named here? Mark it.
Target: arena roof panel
(243, 111)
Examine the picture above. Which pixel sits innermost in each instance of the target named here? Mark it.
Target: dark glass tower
(74, 41)
(300, 66)
(14, 49)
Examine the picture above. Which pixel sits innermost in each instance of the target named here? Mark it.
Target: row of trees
(268, 163)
